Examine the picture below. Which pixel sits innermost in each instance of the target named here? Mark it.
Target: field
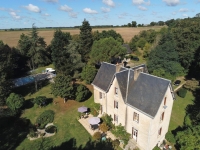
(12, 37)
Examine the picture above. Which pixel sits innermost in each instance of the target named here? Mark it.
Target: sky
(69, 13)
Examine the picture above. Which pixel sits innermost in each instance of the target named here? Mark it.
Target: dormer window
(116, 91)
(135, 117)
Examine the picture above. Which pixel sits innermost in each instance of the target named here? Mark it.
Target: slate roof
(104, 76)
(147, 93)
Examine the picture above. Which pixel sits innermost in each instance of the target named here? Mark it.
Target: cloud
(142, 8)
(14, 15)
(73, 14)
(89, 11)
(139, 2)
(105, 10)
(171, 2)
(45, 14)
(65, 8)
(174, 13)
(123, 15)
(51, 1)
(183, 10)
(109, 3)
(33, 8)
(185, 15)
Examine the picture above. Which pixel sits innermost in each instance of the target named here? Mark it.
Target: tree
(34, 47)
(189, 138)
(88, 73)
(63, 87)
(81, 93)
(39, 100)
(15, 101)
(134, 24)
(86, 40)
(153, 23)
(7, 65)
(106, 49)
(141, 43)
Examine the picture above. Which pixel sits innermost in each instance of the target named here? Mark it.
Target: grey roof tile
(146, 93)
(104, 76)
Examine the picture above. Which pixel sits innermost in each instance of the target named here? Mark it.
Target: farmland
(12, 37)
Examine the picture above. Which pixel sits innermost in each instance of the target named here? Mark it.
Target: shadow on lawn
(13, 131)
(90, 145)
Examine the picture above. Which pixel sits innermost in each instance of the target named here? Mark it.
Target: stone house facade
(141, 102)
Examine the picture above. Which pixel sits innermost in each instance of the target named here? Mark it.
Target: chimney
(118, 66)
(137, 72)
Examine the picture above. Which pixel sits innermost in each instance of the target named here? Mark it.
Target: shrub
(40, 100)
(108, 120)
(94, 112)
(182, 92)
(115, 144)
(103, 127)
(170, 137)
(191, 85)
(45, 118)
(51, 129)
(97, 136)
(156, 148)
(15, 101)
(32, 133)
(82, 93)
(187, 121)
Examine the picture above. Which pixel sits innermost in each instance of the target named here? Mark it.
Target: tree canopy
(15, 101)
(105, 49)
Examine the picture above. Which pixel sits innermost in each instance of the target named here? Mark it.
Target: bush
(182, 92)
(82, 93)
(40, 100)
(32, 133)
(115, 144)
(97, 136)
(45, 118)
(170, 137)
(191, 85)
(187, 121)
(15, 101)
(103, 127)
(51, 129)
(156, 148)
(108, 120)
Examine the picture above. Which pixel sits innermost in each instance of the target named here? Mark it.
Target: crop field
(12, 37)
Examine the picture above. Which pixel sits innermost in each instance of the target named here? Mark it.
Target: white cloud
(51, 1)
(33, 8)
(183, 10)
(185, 15)
(174, 13)
(105, 10)
(73, 14)
(46, 14)
(123, 15)
(66, 8)
(14, 15)
(171, 2)
(89, 11)
(139, 2)
(142, 8)
(109, 3)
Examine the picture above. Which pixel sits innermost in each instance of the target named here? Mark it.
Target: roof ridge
(127, 85)
(156, 76)
(108, 63)
(137, 66)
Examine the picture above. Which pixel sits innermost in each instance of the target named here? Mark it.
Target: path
(177, 88)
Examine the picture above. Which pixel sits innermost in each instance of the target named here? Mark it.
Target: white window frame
(136, 117)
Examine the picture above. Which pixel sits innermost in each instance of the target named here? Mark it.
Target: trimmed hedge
(182, 92)
(46, 117)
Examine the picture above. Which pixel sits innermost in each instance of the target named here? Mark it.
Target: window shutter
(114, 117)
(163, 114)
(114, 104)
(138, 118)
(165, 100)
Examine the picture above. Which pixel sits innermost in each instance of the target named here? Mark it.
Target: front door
(134, 133)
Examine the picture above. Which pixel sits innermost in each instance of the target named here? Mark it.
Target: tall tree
(134, 24)
(105, 49)
(15, 102)
(86, 40)
(34, 47)
(63, 87)
(65, 54)
(6, 71)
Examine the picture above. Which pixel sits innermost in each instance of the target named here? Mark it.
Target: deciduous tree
(15, 101)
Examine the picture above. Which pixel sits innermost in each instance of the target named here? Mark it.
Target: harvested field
(12, 37)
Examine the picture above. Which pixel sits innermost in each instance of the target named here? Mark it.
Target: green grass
(65, 121)
(40, 69)
(178, 111)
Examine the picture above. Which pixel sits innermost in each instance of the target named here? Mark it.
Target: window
(116, 104)
(100, 95)
(135, 117)
(159, 131)
(165, 100)
(116, 91)
(162, 116)
(115, 118)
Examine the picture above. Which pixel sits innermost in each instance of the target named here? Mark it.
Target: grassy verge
(178, 111)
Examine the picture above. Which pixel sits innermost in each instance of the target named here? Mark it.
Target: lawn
(178, 111)
(70, 131)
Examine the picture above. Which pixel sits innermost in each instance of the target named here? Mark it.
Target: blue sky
(59, 13)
